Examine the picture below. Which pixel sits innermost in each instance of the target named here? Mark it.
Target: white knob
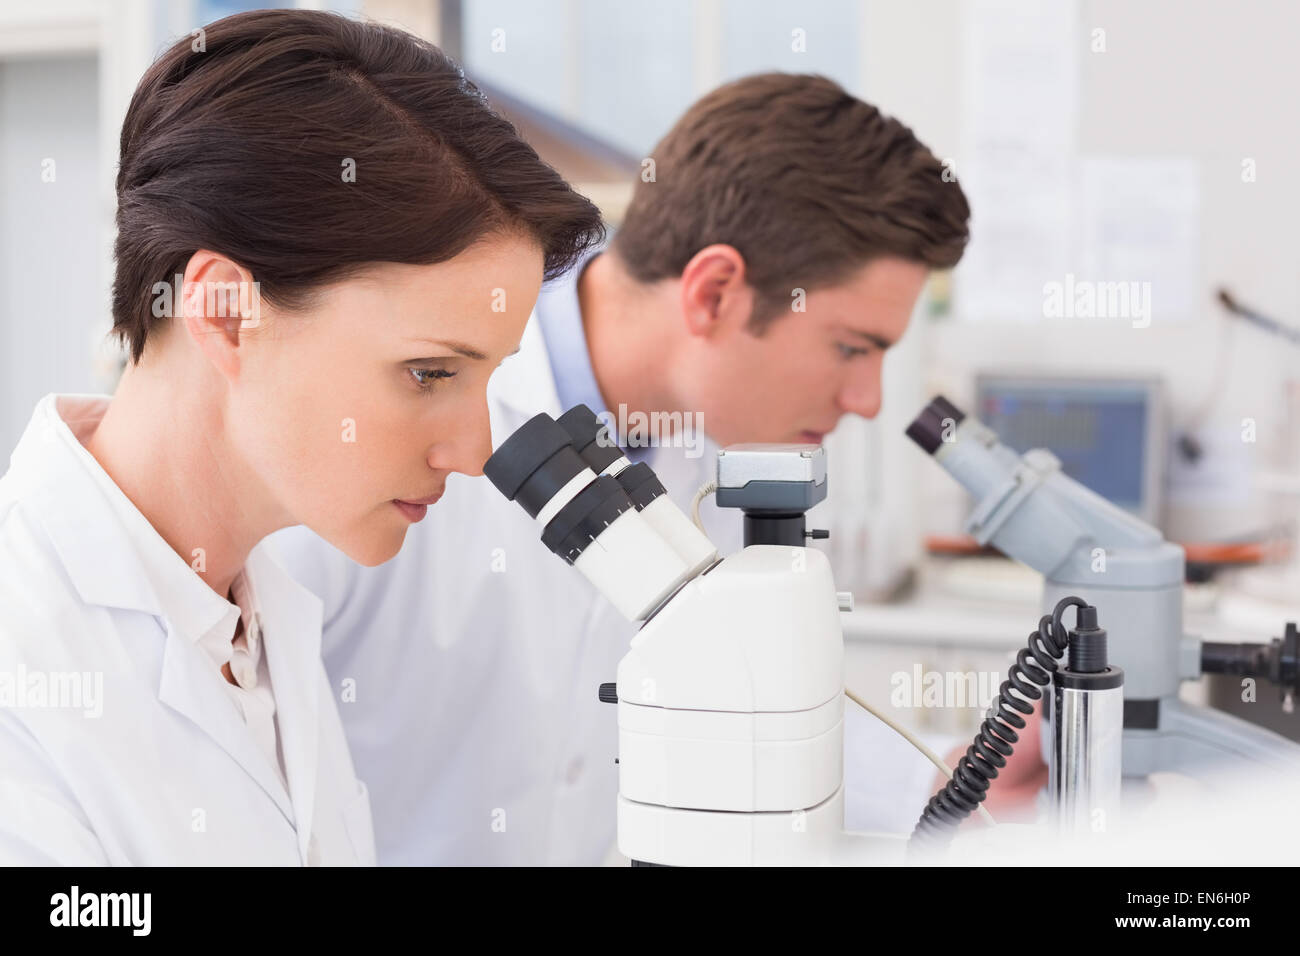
(845, 599)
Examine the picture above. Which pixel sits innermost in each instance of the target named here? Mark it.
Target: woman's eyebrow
(460, 348)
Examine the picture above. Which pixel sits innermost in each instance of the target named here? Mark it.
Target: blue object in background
(1103, 432)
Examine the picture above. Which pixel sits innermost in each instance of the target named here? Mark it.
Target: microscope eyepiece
(557, 472)
(591, 438)
(928, 429)
(534, 463)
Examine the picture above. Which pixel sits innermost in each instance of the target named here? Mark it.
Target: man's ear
(714, 293)
(215, 287)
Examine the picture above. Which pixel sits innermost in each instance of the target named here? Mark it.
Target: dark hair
(236, 140)
(807, 182)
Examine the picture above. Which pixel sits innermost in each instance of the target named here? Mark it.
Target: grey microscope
(1084, 545)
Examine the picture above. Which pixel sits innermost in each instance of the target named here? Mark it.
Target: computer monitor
(1108, 433)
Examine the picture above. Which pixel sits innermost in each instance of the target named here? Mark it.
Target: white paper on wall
(1020, 99)
(1140, 223)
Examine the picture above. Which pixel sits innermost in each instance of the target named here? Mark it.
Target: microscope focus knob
(609, 693)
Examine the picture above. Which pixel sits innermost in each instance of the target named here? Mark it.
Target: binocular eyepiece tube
(610, 519)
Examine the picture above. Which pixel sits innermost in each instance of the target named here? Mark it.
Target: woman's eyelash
(848, 351)
(425, 384)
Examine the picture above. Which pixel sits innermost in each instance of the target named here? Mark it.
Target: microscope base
(1199, 741)
(656, 834)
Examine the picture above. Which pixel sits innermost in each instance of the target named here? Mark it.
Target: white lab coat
(168, 772)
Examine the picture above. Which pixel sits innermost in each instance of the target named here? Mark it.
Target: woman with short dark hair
(326, 243)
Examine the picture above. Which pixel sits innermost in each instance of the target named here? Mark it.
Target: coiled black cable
(1035, 664)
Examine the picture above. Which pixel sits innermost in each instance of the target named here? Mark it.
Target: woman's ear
(220, 302)
(714, 293)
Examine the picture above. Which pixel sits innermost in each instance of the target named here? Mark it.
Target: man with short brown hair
(807, 182)
(781, 228)
(775, 247)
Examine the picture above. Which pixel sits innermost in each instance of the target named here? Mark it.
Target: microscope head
(1032, 511)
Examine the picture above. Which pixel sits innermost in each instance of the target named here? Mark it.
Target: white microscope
(731, 697)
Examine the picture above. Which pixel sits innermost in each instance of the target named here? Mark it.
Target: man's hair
(808, 183)
(241, 138)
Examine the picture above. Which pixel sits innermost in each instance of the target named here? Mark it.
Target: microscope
(1082, 544)
(730, 700)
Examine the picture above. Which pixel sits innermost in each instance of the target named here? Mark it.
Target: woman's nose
(467, 446)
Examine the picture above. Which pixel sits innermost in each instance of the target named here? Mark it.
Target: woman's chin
(373, 548)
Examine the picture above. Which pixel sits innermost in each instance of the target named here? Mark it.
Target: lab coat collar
(111, 563)
(291, 622)
(190, 685)
(124, 563)
(290, 618)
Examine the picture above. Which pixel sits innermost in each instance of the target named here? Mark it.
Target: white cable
(908, 736)
(706, 489)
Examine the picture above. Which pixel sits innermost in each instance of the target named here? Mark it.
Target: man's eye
(425, 377)
(849, 351)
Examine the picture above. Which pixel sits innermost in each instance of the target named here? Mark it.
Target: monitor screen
(1100, 431)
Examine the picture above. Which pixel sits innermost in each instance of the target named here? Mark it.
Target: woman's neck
(166, 448)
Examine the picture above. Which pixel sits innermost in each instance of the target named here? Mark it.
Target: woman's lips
(416, 509)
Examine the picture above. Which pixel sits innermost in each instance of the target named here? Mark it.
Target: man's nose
(861, 394)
